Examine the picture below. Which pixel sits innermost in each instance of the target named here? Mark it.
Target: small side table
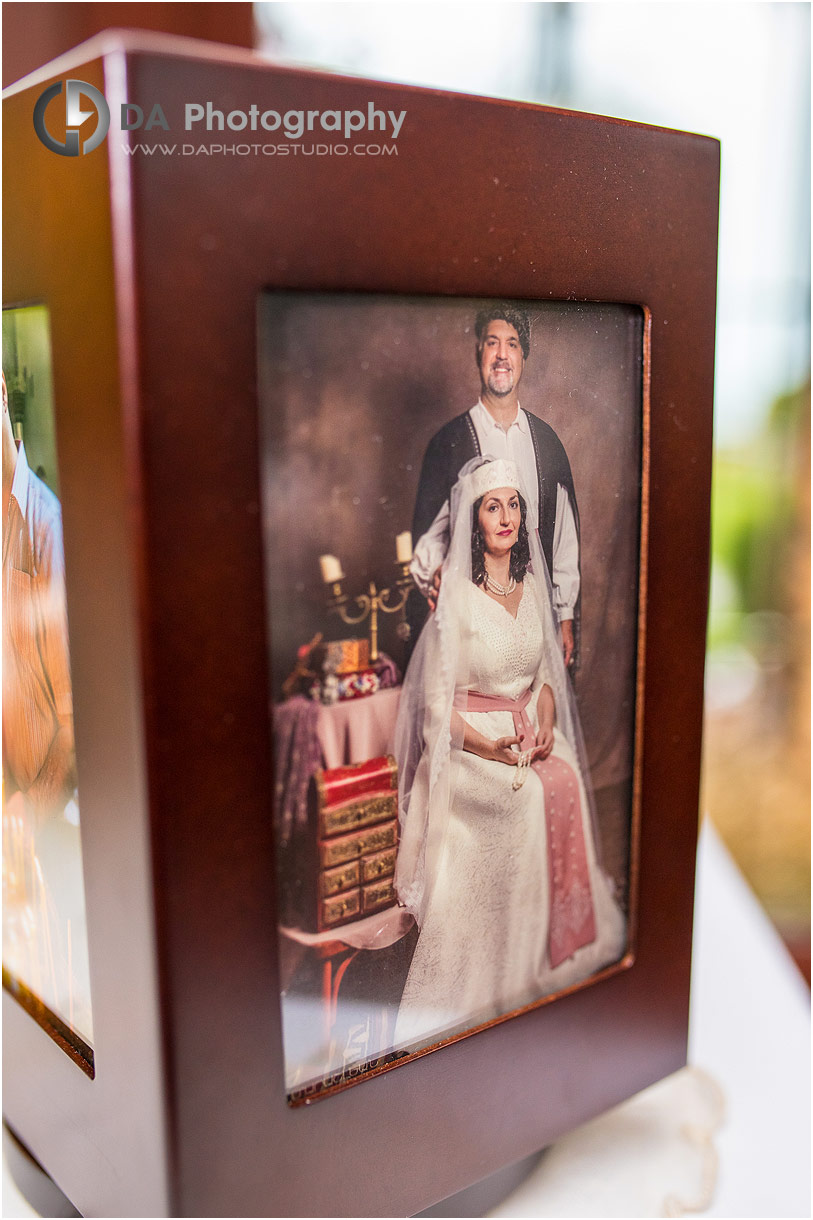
(357, 729)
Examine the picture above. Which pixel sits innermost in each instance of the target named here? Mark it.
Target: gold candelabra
(374, 600)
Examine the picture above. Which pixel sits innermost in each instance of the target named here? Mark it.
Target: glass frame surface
(45, 947)
(353, 389)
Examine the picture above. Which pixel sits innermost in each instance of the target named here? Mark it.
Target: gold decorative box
(354, 819)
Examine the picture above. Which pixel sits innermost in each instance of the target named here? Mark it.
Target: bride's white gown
(482, 950)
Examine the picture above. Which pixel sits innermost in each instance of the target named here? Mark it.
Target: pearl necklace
(500, 590)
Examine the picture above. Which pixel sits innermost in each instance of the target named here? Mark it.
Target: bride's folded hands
(507, 749)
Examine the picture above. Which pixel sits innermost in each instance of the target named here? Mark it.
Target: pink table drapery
(357, 729)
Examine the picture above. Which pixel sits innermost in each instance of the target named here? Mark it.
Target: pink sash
(572, 919)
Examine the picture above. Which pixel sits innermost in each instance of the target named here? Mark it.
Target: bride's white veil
(427, 745)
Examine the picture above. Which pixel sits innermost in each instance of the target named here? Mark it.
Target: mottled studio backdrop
(352, 388)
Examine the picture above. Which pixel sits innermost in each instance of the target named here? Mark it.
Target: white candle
(403, 547)
(331, 569)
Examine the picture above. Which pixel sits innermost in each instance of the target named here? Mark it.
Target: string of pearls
(500, 590)
(523, 764)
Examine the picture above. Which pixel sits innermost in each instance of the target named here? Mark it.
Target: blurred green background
(757, 734)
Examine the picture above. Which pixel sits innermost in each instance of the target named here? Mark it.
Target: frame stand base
(39, 1189)
(43, 1194)
(480, 1198)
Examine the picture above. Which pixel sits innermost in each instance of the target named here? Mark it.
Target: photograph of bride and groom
(453, 511)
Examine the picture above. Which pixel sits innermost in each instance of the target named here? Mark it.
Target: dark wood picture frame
(151, 268)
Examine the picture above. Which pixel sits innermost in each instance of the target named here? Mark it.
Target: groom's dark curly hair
(501, 311)
(520, 551)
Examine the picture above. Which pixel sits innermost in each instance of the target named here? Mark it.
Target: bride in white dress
(497, 859)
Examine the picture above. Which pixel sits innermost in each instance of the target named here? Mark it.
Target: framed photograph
(371, 408)
(45, 952)
(384, 487)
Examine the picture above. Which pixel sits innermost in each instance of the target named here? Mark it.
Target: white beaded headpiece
(499, 473)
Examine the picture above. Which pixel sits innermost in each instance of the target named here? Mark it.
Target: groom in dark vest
(497, 426)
